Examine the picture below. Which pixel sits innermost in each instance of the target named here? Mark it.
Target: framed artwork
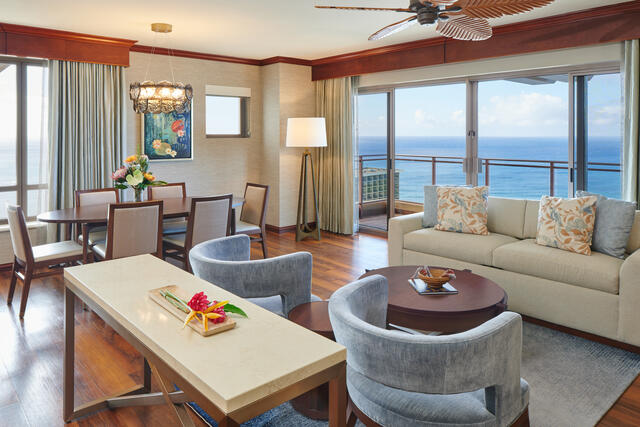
(167, 136)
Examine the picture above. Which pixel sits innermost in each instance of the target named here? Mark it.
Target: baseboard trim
(582, 334)
(6, 267)
(285, 229)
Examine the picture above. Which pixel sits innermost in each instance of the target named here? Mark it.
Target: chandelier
(163, 96)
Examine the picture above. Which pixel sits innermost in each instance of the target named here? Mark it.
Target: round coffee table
(478, 300)
(315, 317)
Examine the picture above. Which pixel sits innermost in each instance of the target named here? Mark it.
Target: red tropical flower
(177, 126)
(198, 302)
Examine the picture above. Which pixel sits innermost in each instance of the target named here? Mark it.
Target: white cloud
(607, 115)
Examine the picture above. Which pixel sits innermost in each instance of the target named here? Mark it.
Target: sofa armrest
(398, 227)
(629, 319)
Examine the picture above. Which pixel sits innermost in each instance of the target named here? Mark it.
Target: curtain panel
(335, 101)
(87, 128)
(631, 121)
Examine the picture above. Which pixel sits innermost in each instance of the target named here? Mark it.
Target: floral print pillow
(463, 209)
(567, 223)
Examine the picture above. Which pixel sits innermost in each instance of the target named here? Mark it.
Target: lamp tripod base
(303, 227)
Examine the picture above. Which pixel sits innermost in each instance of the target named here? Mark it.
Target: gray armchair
(277, 284)
(398, 379)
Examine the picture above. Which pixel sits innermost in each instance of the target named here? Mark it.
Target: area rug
(573, 382)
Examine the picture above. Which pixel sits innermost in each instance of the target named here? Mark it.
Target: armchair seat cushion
(100, 249)
(247, 228)
(96, 235)
(56, 250)
(471, 248)
(175, 239)
(598, 271)
(174, 226)
(274, 303)
(390, 406)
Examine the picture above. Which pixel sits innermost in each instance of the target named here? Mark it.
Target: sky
(505, 109)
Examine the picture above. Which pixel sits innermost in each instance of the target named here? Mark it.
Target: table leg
(69, 340)
(179, 410)
(227, 422)
(233, 222)
(338, 399)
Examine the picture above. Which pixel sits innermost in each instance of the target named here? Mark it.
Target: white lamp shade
(306, 132)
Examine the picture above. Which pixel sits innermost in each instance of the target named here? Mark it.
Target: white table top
(260, 356)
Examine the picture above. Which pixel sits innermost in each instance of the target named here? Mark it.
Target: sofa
(598, 294)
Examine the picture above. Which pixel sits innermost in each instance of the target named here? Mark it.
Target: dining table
(97, 214)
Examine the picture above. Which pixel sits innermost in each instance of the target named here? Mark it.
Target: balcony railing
(552, 165)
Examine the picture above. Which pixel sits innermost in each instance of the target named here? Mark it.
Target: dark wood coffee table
(314, 316)
(478, 300)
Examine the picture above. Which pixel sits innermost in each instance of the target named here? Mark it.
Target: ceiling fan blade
(377, 9)
(461, 27)
(439, 2)
(498, 8)
(393, 28)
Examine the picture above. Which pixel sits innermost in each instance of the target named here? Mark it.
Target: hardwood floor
(31, 349)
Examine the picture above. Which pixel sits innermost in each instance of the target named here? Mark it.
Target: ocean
(504, 181)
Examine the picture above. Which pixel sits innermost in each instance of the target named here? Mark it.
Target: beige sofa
(599, 294)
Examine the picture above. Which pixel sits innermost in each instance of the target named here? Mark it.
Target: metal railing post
(486, 172)
(552, 178)
(433, 171)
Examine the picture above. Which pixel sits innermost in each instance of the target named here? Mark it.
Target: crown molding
(193, 55)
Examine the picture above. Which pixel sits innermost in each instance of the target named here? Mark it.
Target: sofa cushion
(430, 217)
(463, 210)
(465, 247)
(567, 223)
(531, 219)
(506, 216)
(598, 271)
(634, 238)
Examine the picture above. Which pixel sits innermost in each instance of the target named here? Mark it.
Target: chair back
(209, 218)
(19, 234)
(176, 190)
(255, 204)
(486, 357)
(134, 229)
(97, 196)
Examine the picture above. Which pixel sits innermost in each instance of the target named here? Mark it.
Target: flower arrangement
(200, 308)
(135, 174)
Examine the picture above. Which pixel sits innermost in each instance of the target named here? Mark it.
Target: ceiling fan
(457, 19)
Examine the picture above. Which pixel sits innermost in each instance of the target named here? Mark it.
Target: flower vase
(138, 194)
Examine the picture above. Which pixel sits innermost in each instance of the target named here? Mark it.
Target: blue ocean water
(504, 181)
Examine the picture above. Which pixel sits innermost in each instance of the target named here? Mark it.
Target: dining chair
(132, 229)
(31, 259)
(209, 218)
(400, 379)
(176, 190)
(98, 196)
(277, 284)
(254, 211)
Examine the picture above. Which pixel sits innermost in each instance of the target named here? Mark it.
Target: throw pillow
(613, 224)
(463, 210)
(430, 216)
(567, 223)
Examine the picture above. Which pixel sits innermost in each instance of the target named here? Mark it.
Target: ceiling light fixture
(164, 96)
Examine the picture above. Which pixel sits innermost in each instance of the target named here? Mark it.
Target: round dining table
(96, 214)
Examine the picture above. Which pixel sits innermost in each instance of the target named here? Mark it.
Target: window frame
(22, 186)
(244, 112)
(471, 164)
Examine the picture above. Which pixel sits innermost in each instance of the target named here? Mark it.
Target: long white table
(236, 375)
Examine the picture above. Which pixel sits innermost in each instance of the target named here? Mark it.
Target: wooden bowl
(438, 278)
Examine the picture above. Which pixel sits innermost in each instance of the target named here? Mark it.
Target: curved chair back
(254, 208)
(19, 234)
(484, 357)
(174, 190)
(134, 229)
(97, 196)
(225, 263)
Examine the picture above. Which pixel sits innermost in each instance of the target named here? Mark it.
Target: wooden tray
(214, 328)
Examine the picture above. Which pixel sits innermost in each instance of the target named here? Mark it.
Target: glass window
(9, 125)
(226, 116)
(523, 136)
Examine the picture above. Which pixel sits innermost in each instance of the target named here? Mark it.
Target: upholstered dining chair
(98, 196)
(400, 379)
(176, 190)
(276, 284)
(31, 259)
(254, 210)
(209, 218)
(132, 229)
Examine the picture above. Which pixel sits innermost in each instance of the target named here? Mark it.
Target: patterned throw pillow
(463, 210)
(567, 223)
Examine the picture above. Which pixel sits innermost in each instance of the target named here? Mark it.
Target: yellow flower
(131, 158)
(149, 176)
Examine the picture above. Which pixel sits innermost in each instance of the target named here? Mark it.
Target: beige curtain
(335, 100)
(87, 128)
(631, 121)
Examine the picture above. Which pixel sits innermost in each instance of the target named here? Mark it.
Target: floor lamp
(306, 132)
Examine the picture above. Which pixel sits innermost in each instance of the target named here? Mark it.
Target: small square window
(227, 116)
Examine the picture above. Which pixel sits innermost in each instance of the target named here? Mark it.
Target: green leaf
(230, 308)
